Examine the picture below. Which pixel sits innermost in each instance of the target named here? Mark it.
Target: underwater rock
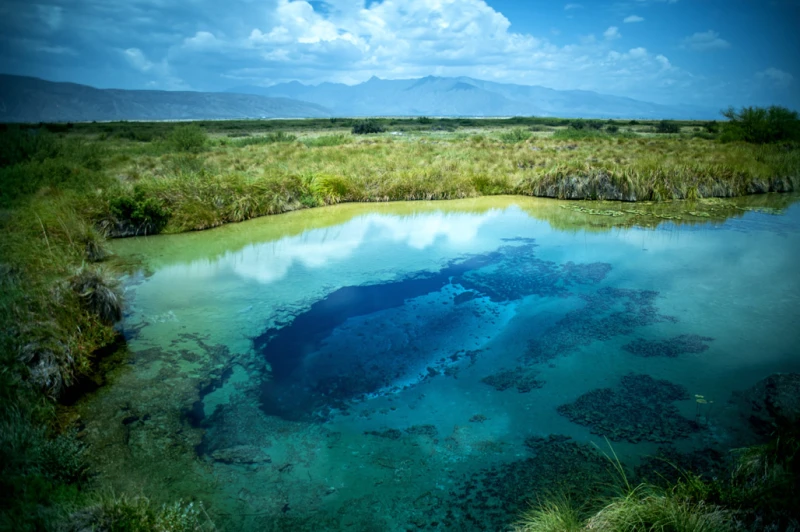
(774, 403)
(640, 409)
(463, 297)
(608, 312)
(671, 348)
(523, 380)
(241, 454)
(389, 434)
(423, 430)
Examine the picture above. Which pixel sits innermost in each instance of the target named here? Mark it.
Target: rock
(241, 454)
(465, 296)
(774, 403)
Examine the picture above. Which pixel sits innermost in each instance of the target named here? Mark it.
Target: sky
(698, 52)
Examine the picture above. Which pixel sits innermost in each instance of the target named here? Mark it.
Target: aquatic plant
(639, 409)
(670, 348)
(122, 513)
(600, 319)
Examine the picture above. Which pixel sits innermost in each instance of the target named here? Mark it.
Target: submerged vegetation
(66, 189)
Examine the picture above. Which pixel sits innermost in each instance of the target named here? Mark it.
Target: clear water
(392, 367)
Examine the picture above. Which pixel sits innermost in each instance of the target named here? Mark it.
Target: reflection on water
(434, 365)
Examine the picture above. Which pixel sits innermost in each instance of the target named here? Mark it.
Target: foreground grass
(64, 192)
(758, 492)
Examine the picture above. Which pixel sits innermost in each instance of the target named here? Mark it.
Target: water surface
(434, 365)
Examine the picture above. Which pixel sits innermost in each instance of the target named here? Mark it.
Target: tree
(759, 125)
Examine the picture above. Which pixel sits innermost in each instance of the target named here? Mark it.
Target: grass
(67, 188)
(759, 493)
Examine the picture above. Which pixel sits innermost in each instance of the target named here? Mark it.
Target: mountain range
(464, 96)
(26, 99)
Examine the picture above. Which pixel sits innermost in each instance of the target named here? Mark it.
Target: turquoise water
(437, 365)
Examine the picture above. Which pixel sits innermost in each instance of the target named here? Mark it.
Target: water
(387, 367)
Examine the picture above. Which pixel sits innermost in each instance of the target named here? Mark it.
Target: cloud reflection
(270, 262)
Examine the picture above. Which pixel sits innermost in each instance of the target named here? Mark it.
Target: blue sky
(701, 52)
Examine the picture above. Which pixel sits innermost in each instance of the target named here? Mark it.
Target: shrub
(515, 135)
(19, 146)
(612, 128)
(137, 214)
(365, 127)
(761, 126)
(667, 126)
(187, 138)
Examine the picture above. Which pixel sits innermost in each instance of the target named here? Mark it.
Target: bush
(137, 214)
(667, 126)
(515, 135)
(187, 138)
(761, 126)
(612, 128)
(19, 146)
(365, 127)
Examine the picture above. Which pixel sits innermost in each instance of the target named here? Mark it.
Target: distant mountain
(463, 96)
(24, 99)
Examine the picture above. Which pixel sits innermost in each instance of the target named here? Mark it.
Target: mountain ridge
(438, 96)
(29, 99)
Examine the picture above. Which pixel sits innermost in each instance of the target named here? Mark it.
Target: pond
(435, 365)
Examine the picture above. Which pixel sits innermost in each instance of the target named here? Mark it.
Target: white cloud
(612, 33)
(137, 59)
(202, 40)
(633, 18)
(637, 53)
(776, 77)
(348, 42)
(705, 41)
(52, 16)
(568, 7)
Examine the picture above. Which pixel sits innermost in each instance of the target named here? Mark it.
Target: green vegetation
(759, 125)
(365, 127)
(667, 126)
(67, 188)
(759, 492)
